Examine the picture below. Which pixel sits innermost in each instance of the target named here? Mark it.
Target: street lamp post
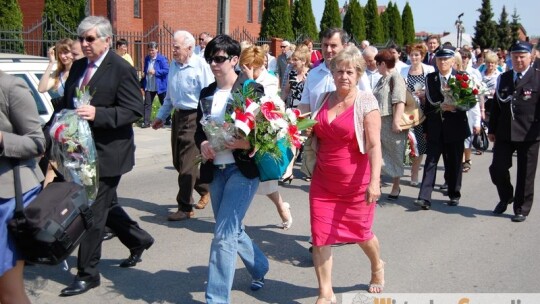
(460, 28)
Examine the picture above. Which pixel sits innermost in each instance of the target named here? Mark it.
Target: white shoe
(288, 223)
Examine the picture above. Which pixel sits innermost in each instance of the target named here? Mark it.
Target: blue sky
(431, 16)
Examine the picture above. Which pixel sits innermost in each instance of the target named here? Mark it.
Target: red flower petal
(464, 85)
(269, 111)
(459, 77)
(465, 77)
(475, 91)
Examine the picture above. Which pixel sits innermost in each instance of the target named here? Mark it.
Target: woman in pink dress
(346, 180)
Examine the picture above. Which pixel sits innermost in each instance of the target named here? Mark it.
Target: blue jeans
(231, 194)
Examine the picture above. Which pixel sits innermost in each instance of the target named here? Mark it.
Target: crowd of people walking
(356, 96)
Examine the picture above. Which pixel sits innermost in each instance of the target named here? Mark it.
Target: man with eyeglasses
(115, 105)
(204, 38)
(283, 60)
(188, 75)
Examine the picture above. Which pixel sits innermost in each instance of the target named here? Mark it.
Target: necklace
(339, 106)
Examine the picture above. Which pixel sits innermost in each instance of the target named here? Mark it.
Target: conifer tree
(385, 21)
(396, 24)
(504, 32)
(331, 16)
(515, 26)
(11, 18)
(374, 29)
(408, 25)
(303, 20)
(486, 29)
(353, 22)
(276, 20)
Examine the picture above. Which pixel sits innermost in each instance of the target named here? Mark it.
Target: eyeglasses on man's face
(218, 59)
(88, 39)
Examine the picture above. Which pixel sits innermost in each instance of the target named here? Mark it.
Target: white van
(30, 69)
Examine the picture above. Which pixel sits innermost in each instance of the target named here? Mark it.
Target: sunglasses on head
(88, 39)
(218, 59)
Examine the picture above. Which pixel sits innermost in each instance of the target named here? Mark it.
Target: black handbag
(480, 140)
(49, 229)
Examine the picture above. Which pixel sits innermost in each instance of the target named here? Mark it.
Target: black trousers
(452, 154)
(126, 229)
(184, 153)
(527, 160)
(90, 247)
(148, 99)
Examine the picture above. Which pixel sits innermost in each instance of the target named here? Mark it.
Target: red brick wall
(32, 11)
(238, 17)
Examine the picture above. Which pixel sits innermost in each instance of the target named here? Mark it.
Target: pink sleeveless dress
(338, 209)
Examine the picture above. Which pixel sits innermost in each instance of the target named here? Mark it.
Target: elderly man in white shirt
(188, 75)
(372, 72)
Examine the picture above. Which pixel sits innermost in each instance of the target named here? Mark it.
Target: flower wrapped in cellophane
(270, 128)
(73, 147)
(462, 91)
(218, 131)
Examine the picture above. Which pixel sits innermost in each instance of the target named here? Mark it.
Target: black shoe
(394, 197)
(453, 202)
(423, 203)
(145, 125)
(108, 235)
(501, 206)
(135, 256)
(78, 287)
(444, 186)
(518, 218)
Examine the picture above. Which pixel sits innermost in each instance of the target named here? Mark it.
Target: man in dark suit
(446, 127)
(514, 125)
(115, 105)
(433, 43)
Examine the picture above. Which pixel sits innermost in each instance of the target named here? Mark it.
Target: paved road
(460, 249)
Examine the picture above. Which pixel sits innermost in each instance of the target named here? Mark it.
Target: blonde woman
(252, 65)
(59, 55)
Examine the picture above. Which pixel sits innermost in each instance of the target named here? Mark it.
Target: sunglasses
(201, 39)
(218, 59)
(88, 39)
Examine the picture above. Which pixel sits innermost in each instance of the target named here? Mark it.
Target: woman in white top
(415, 78)
(252, 66)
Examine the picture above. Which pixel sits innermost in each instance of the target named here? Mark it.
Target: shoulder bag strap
(19, 209)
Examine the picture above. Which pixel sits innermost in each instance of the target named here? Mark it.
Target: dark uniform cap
(521, 47)
(446, 52)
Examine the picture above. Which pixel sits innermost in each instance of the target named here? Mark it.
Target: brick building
(213, 16)
(141, 21)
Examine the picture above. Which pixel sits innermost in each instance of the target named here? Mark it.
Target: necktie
(430, 58)
(518, 78)
(87, 75)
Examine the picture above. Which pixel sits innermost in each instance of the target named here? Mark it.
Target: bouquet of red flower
(461, 91)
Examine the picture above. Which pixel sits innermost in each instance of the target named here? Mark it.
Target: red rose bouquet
(462, 91)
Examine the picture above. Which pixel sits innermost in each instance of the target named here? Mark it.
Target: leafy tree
(276, 19)
(374, 28)
(331, 16)
(504, 31)
(12, 19)
(354, 22)
(408, 25)
(303, 20)
(63, 17)
(515, 26)
(396, 29)
(486, 29)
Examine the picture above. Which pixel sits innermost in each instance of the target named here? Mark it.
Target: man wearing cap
(445, 127)
(514, 125)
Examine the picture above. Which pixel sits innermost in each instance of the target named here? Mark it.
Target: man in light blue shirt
(188, 75)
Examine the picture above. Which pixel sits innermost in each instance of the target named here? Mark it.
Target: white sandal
(377, 287)
(288, 223)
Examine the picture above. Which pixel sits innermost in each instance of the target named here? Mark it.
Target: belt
(185, 111)
(225, 166)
